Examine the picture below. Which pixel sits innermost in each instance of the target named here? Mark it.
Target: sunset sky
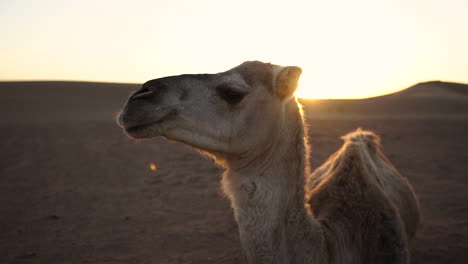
(347, 49)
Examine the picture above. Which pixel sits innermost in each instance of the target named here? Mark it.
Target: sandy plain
(75, 189)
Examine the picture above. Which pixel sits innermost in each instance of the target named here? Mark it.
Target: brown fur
(362, 223)
(382, 173)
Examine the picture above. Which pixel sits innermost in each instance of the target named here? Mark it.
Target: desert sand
(75, 189)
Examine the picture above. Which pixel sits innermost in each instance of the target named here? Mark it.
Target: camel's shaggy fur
(369, 210)
(357, 207)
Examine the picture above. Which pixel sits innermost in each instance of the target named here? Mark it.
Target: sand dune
(433, 89)
(431, 100)
(74, 189)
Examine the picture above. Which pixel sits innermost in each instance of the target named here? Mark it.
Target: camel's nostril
(142, 93)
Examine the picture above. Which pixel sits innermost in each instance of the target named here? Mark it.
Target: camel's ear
(287, 79)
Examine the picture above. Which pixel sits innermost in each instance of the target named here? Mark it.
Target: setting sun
(347, 49)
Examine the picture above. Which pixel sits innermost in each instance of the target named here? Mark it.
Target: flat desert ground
(75, 189)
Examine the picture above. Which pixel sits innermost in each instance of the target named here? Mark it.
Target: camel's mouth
(141, 131)
(149, 129)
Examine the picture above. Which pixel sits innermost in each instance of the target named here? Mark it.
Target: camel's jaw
(146, 129)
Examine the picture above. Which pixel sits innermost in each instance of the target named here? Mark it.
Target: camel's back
(396, 187)
(361, 225)
(367, 208)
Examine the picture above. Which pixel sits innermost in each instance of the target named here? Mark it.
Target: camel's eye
(230, 95)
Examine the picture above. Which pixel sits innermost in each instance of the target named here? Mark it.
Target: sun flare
(340, 87)
(153, 167)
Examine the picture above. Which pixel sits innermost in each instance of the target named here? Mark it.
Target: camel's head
(224, 113)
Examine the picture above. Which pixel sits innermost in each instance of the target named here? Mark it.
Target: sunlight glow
(347, 49)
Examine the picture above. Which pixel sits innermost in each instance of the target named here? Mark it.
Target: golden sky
(347, 49)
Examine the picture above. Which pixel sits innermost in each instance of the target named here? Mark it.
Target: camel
(357, 208)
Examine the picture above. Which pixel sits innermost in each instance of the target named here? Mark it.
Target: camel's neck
(267, 195)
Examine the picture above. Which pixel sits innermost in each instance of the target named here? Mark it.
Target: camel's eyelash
(230, 95)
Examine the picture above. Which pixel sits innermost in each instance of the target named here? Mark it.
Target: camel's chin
(144, 131)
